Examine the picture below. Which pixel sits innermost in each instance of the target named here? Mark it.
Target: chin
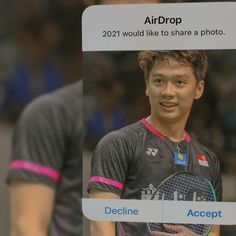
(167, 117)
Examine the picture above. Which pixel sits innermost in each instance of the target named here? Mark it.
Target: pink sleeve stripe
(107, 181)
(40, 169)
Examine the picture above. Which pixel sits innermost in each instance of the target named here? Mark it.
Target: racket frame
(182, 172)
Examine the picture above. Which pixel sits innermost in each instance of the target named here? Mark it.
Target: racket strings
(183, 187)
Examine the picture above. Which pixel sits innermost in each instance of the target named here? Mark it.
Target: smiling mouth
(168, 104)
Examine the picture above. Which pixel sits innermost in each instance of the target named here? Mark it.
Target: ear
(199, 89)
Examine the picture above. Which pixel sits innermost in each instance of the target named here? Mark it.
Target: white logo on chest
(152, 152)
(148, 192)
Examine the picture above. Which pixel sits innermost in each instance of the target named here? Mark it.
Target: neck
(174, 131)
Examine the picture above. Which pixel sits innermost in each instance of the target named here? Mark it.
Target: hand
(179, 229)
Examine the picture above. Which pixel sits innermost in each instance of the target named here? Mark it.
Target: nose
(168, 89)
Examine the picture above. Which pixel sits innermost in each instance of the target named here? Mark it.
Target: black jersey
(47, 149)
(133, 161)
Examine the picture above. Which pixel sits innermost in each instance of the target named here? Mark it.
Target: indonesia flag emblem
(202, 160)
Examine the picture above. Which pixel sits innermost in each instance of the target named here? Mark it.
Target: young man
(123, 165)
(45, 173)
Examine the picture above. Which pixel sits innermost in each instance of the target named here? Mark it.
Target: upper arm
(38, 144)
(102, 228)
(110, 163)
(31, 206)
(36, 162)
(108, 172)
(95, 193)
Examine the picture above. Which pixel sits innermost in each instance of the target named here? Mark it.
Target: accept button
(211, 214)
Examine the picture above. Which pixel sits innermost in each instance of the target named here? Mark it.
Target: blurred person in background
(44, 176)
(45, 170)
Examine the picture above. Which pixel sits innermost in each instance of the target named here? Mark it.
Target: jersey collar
(159, 134)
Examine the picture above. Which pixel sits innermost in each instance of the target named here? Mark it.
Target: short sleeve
(38, 144)
(110, 163)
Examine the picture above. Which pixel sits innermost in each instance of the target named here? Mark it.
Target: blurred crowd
(115, 96)
(40, 50)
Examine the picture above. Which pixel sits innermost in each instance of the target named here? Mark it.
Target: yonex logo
(152, 151)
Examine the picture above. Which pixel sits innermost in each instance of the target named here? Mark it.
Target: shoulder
(202, 149)
(199, 145)
(126, 135)
(56, 105)
(66, 97)
(69, 92)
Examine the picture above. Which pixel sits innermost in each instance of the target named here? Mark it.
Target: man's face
(171, 88)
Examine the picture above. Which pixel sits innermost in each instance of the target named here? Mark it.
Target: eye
(158, 81)
(180, 82)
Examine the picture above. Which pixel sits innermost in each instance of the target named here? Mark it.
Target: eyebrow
(158, 74)
(178, 76)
